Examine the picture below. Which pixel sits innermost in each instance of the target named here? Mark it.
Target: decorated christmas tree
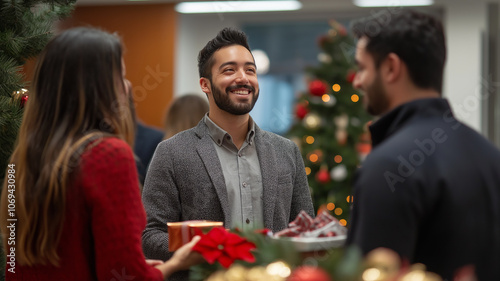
(330, 124)
(25, 28)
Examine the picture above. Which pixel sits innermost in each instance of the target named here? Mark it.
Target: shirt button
(240, 154)
(247, 221)
(244, 184)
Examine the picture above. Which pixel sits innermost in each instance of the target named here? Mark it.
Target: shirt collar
(395, 119)
(218, 134)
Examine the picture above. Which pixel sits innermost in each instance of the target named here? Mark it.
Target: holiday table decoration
(224, 247)
(319, 234)
(256, 255)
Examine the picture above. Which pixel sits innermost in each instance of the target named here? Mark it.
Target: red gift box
(180, 233)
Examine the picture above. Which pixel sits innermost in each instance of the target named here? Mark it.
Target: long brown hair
(184, 113)
(78, 96)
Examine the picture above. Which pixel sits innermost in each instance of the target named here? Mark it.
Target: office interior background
(162, 47)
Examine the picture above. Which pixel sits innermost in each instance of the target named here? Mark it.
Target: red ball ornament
(317, 88)
(24, 100)
(363, 148)
(350, 76)
(323, 176)
(309, 273)
(301, 111)
(323, 40)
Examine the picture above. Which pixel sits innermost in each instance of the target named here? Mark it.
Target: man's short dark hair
(417, 38)
(225, 37)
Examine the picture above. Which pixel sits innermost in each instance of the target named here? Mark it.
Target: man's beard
(223, 101)
(377, 97)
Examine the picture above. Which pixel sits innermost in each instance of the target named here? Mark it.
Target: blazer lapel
(267, 160)
(208, 154)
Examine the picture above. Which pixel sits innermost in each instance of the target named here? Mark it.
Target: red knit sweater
(104, 220)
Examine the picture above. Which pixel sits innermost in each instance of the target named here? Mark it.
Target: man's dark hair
(417, 38)
(225, 37)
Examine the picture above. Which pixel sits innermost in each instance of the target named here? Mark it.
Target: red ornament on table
(301, 111)
(309, 273)
(317, 88)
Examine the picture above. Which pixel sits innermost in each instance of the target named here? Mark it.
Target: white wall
(464, 22)
(193, 34)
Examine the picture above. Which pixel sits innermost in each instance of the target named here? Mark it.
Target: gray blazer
(185, 182)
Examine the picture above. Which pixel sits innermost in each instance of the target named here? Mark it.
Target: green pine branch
(25, 28)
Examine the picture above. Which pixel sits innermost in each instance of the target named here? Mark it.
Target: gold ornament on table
(276, 271)
(418, 273)
(381, 264)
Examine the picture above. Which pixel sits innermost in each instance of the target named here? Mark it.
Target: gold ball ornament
(417, 273)
(341, 121)
(236, 273)
(217, 276)
(278, 271)
(324, 58)
(381, 264)
(312, 121)
(20, 96)
(257, 273)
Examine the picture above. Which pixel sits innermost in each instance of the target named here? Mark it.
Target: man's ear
(205, 85)
(392, 68)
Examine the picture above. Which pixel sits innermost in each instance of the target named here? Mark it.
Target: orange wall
(148, 34)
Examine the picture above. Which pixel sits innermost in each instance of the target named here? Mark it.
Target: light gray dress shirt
(242, 175)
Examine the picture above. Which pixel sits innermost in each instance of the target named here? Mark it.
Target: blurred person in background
(184, 113)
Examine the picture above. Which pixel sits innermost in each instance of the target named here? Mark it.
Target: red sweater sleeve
(117, 215)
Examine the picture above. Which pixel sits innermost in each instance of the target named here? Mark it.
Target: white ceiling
(311, 9)
(308, 5)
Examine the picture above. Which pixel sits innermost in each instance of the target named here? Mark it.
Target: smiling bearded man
(226, 168)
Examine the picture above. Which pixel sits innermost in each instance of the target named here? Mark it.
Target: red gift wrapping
(180, 233)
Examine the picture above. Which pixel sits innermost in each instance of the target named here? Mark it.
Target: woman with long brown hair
(73, 200)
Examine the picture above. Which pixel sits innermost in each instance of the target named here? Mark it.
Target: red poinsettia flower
(225, 247)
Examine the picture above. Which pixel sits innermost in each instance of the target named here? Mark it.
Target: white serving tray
(308, 244)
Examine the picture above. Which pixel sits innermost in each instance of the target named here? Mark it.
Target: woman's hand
(182, 259)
